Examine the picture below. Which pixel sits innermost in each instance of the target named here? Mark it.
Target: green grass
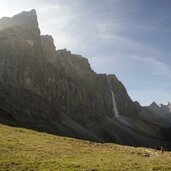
(23, 149)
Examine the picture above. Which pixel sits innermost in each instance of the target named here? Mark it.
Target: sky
(128, 38)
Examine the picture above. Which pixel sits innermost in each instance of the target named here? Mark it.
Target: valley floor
(26, 150)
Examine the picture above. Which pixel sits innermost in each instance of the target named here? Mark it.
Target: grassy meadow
(26, 150)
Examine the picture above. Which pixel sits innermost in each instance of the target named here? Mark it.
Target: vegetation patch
(26, 150)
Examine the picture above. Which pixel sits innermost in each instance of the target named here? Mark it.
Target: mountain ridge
(58, 92)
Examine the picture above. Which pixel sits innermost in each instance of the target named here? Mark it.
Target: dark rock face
(58, 92)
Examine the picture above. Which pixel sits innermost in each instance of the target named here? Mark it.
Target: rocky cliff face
(58, 92)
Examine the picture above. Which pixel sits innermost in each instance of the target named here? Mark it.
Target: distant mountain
(160, 109)
(160, 113)
(58, 92)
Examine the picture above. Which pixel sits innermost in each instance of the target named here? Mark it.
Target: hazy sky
(130, 38)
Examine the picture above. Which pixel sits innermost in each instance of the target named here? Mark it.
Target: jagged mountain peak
(31, 13)
(154, 104)
(27, 20)
(162, 109)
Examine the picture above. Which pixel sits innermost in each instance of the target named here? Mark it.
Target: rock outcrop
(58, 92)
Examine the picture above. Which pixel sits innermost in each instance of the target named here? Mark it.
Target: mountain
(57, 92)
(160, 114)
(160, 109)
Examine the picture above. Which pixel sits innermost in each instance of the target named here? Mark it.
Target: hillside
(23, 149)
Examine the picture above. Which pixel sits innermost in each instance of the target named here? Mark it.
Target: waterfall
(115, 109)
